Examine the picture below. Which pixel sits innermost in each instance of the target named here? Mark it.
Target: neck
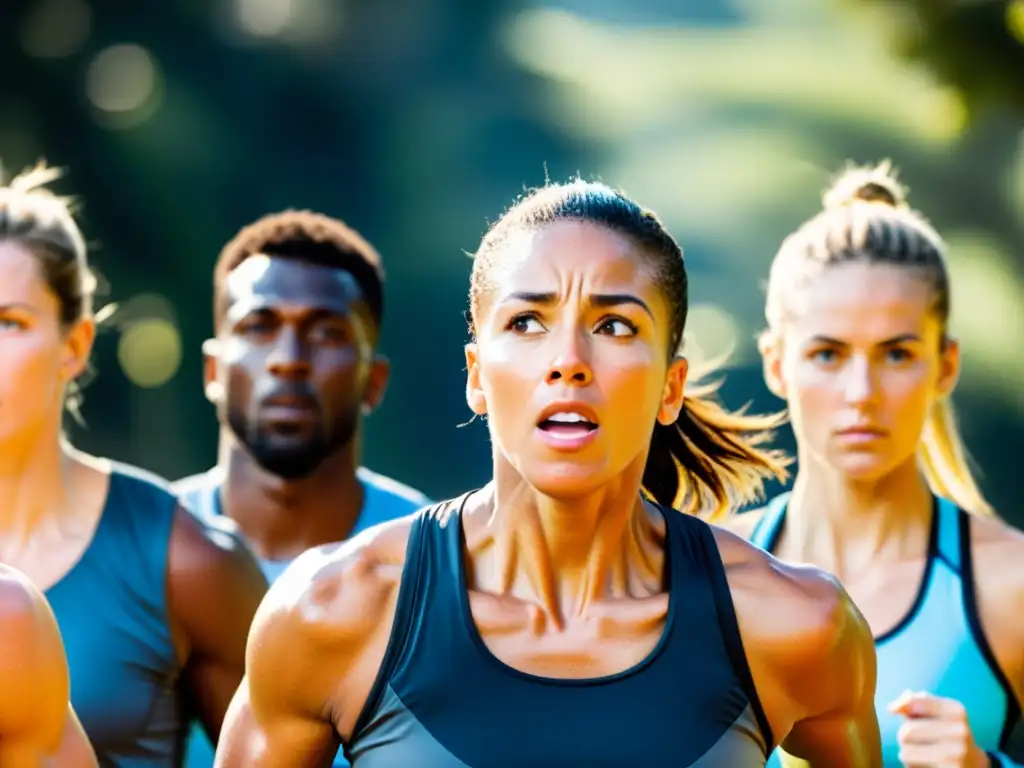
(34, 479)
(846, 526)
(283, 518)
(569, 552)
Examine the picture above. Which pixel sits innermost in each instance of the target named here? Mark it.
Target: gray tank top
(442, 700)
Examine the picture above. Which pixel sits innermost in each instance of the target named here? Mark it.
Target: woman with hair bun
(858, 346)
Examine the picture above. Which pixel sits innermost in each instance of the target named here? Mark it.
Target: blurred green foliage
(418, 121)
(974, 46)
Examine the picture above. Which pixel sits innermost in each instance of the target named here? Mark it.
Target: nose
(288, 358)
(859, 385)
(570, 365)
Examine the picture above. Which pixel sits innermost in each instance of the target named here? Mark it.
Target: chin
(566, 480)
(864, 467)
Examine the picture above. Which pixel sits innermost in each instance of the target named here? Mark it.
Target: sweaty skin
(37, 725)
(866, 348)
(293, 328)
(564, 562)
(54, 502)
(215, 587)
(319, 639)
(885, 594)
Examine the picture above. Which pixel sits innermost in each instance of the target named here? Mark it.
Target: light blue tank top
(383, 499)
(939, 646)
(112, 611)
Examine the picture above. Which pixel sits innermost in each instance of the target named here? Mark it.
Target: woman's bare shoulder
(793, 610)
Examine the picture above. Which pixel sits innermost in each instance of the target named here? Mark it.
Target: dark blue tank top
(112, 611)
(442, 700)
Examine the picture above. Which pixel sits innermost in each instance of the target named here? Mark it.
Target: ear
(770, 348)
(78, 341)
(674, 391)
(377, 379)
(949, 367)
(212, 386)
(475, 397)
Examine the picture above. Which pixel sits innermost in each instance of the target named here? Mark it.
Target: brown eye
(525, 324)
(617, 326)
(898, 355)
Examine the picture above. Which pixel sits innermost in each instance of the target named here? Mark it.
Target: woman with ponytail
(858, 346)
(559, 616)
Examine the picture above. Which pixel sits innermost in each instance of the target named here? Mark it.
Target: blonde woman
(857, 345)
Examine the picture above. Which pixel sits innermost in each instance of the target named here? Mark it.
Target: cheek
(507, 376)
(639, 381)
(909, 385)
(908, 396)
(336, 364)
(812, 395)
(237, 376)
(31, 373)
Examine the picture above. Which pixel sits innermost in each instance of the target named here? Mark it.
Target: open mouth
(567, 425)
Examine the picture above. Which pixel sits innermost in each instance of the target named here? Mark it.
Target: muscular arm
(37, 726)
(839, 727)
(215, 588)
(811, 655)
(313, 654)
(999, 589)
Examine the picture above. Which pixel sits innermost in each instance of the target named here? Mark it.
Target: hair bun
(876, 184)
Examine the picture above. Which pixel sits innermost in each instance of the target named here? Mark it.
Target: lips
(567, 426)
(567, 423)
(289, 408)
(570, 412)
(861, 431)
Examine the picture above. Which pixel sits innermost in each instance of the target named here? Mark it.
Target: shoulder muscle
(215, 582)
(318, 620)
(33, 670)
(802, 630)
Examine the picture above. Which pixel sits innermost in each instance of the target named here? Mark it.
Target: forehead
(865, 301)
(20, 275)
(269, 281)
(566, 253)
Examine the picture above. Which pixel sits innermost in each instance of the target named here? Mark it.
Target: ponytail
(709, 461)
(945, 463)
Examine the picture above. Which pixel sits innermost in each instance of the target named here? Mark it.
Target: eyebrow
(595, 299)
(893, 341)
(247, 307)
(20, 306)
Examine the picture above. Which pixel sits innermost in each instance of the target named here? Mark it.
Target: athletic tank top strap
(422, 588)
(695, 563)
(949, 536)
(768, 529)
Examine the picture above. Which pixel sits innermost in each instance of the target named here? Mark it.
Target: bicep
(842, 729)
(836, 740)
(266, 733)
(215, 589)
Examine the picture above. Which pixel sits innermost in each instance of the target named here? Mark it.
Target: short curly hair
(309, 237)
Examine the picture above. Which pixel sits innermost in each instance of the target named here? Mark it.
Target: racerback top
(442, 700)
(939, 646)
